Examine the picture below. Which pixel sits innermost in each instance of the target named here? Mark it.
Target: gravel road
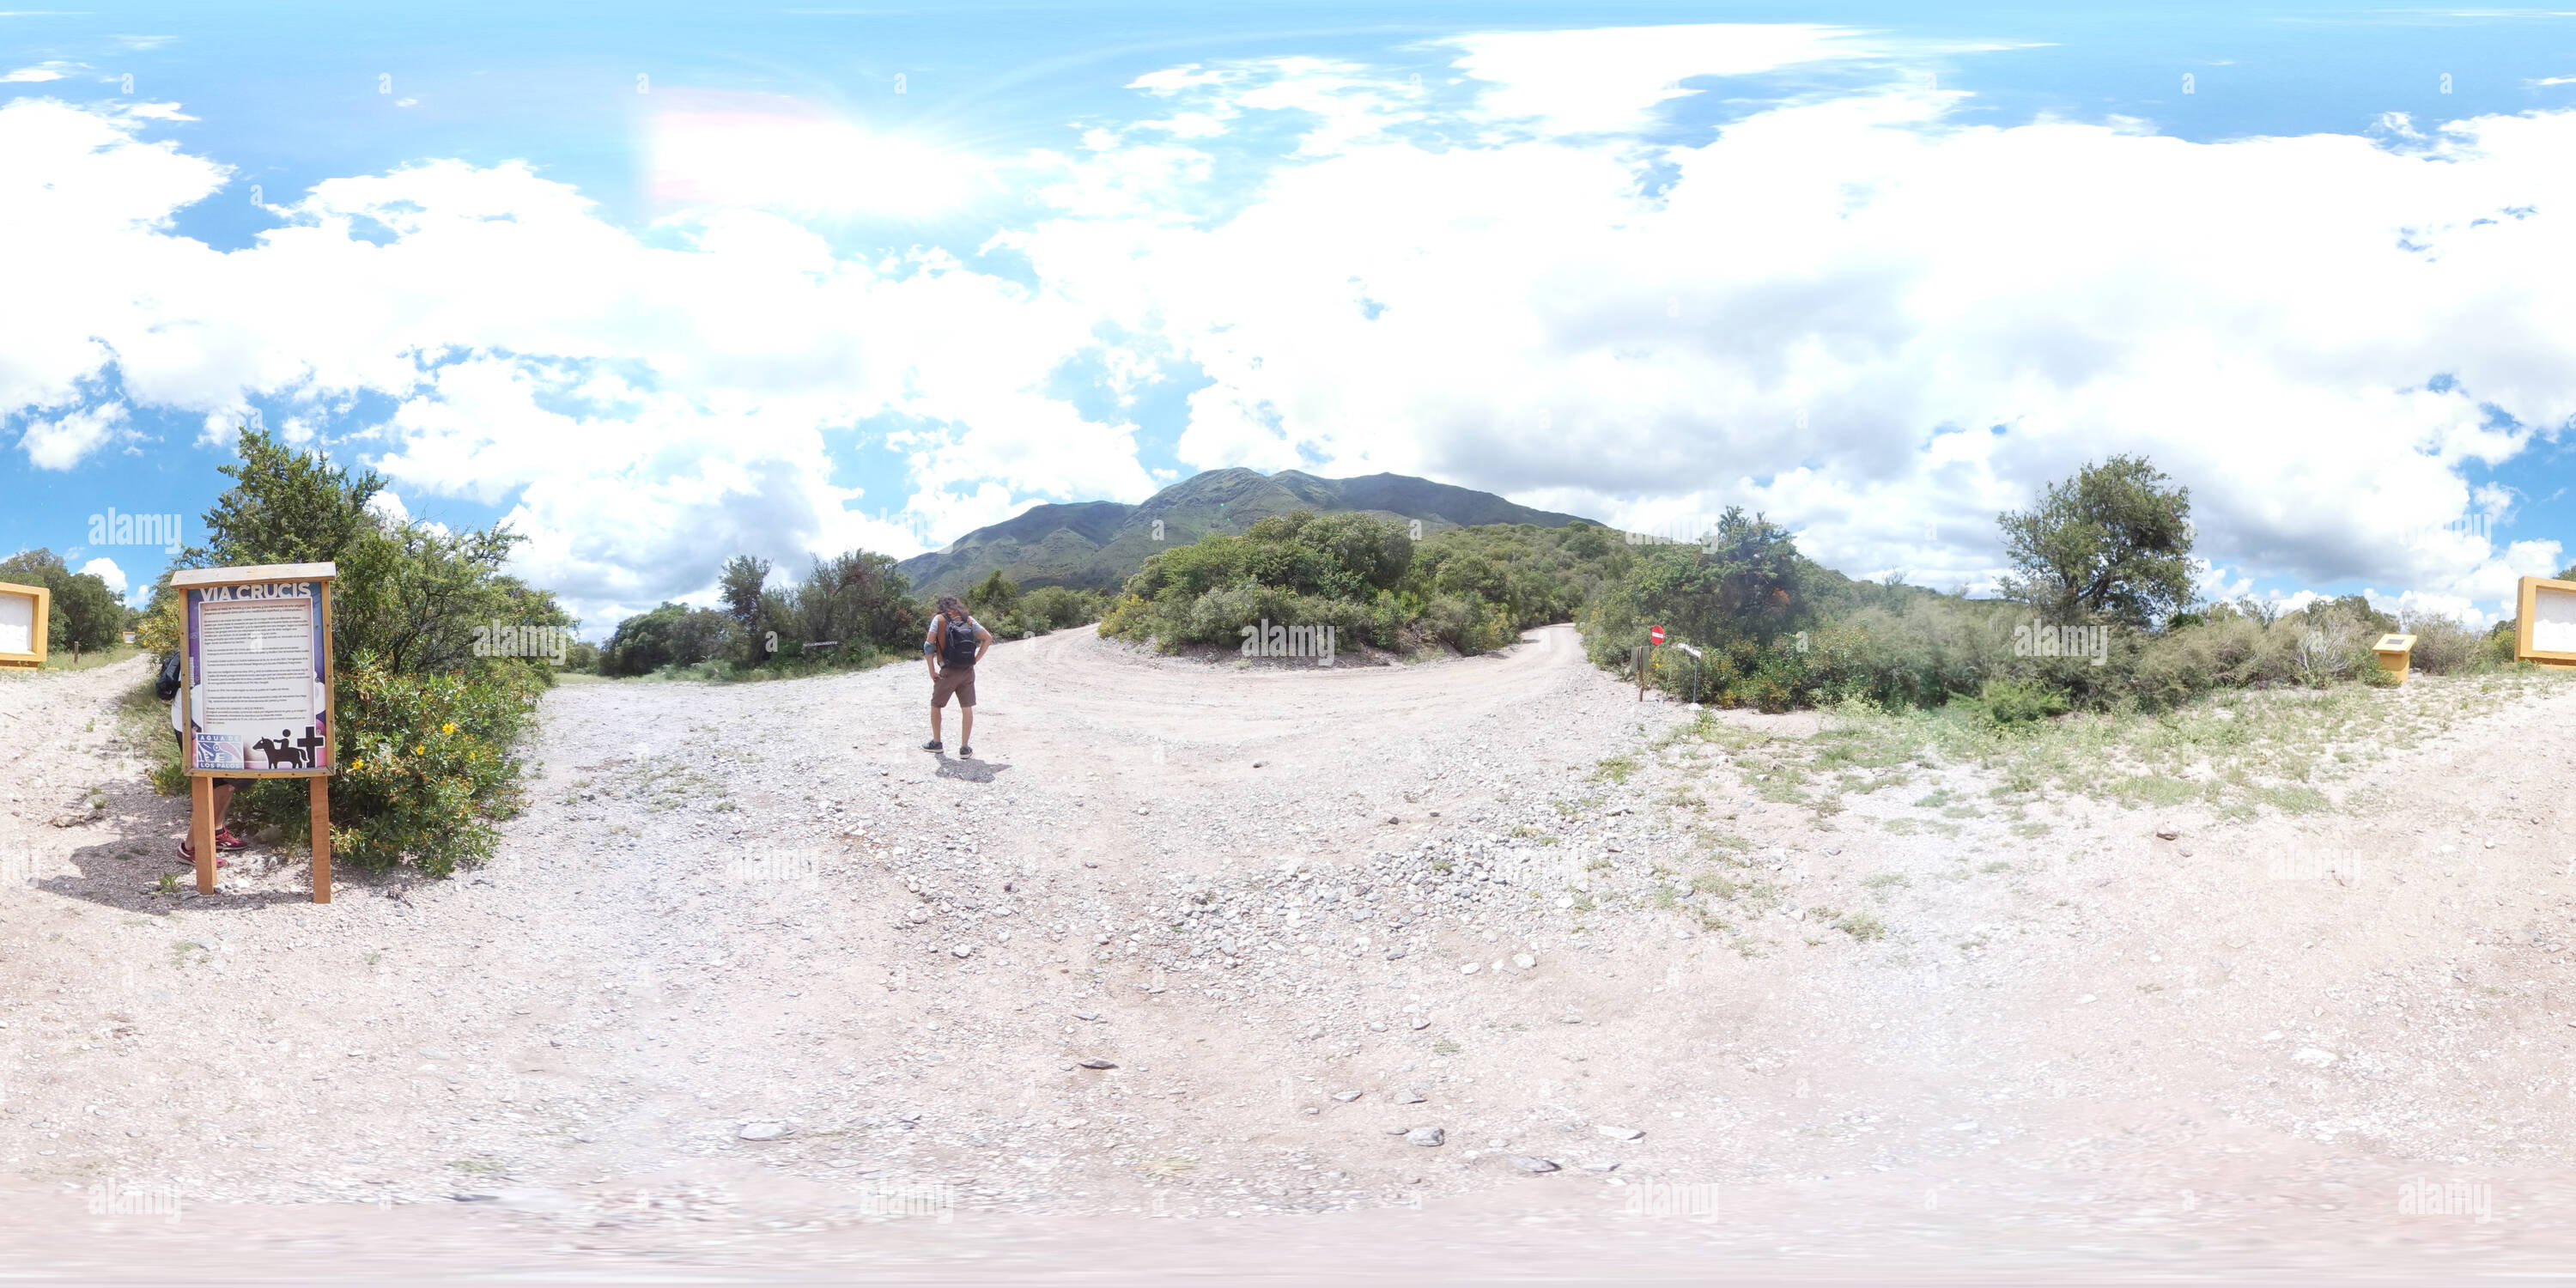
(1270, 967)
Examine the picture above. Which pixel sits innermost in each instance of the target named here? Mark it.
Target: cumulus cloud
(643, 406)
(105, 570)
(1884, 326)
(60, 442)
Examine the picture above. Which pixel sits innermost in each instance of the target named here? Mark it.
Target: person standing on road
(955, 644)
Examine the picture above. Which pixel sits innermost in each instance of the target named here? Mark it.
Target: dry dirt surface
(1465, 971)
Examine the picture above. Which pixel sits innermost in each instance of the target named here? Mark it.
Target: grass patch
(1861, 926)
(1615, 769)
(2237, 753)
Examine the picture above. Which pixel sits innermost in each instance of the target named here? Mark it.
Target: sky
(656, 284)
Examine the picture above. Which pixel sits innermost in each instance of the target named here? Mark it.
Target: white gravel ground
(1191, 942)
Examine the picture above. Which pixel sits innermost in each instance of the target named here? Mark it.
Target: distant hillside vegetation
(1099, 544)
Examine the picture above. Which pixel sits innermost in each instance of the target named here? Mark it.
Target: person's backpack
(957, 642)
(167, 687)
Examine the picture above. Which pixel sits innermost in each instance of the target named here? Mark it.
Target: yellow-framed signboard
(255, 684)
(2546, 630)
(26, 618)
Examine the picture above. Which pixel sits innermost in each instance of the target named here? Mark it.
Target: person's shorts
(959, 680)
(182, 740)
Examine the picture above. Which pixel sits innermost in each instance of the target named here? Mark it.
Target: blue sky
(659, 283)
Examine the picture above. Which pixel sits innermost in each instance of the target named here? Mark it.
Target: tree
(858, 598)
(85, 613)
(2113, 542)
(2567, 573)
(429, 729)
(995, 595)
(673, 634)
(740, 588)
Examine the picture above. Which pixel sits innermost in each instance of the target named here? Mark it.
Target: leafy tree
(2113, 542)
(740, 588)
(429, 731)
(1744, 581)
(2567, 573)
(858, 598)
(671, 635)
(2357, 609)
(996, 595)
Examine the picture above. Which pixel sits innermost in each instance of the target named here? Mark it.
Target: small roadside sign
(1655, 634)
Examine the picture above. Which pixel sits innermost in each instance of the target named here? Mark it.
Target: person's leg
(223, 801)
(965, 727)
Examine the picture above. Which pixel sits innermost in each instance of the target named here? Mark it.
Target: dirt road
(1193, 964)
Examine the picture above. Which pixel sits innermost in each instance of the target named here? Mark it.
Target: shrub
(2012, 702)
(2444, 647)
(435, 726)
(673, 635)
(431, 762)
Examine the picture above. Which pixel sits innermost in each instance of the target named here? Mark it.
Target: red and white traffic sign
(1655, 634)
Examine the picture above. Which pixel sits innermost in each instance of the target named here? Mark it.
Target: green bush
(428, 732)
(2444, 647)
(672, 635)
(2012, 702)
(431, 763)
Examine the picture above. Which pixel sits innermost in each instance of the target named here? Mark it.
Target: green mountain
(1098, 543)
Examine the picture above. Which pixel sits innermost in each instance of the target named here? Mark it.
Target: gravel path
(754, 978)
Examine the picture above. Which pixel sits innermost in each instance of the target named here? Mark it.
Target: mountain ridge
(1097, 544)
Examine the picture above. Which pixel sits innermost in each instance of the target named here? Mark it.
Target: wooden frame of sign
(249, 676)
(40, 619)
(2558, 597)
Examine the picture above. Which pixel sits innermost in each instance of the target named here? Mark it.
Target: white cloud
(1611, 78)
(27, 75)
(105, 570)
(60, 442)
(2249, 314)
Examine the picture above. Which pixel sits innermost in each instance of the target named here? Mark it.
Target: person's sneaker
(963, 751)
(932, 745)
(188, 855)
(225, 840)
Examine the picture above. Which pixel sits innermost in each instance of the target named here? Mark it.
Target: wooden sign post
(2546, 632)
(257, 657)
(26, 618)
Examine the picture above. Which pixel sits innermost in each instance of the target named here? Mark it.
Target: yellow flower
(447, 728)
(357, 764)
(421, 749)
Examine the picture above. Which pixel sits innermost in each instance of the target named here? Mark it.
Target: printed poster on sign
(258, 686)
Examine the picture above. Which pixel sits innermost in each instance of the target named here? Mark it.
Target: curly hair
(952, 608)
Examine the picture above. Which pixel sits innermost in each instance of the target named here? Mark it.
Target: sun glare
(773, 152)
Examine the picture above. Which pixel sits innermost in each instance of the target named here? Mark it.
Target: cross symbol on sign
(308, 742)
